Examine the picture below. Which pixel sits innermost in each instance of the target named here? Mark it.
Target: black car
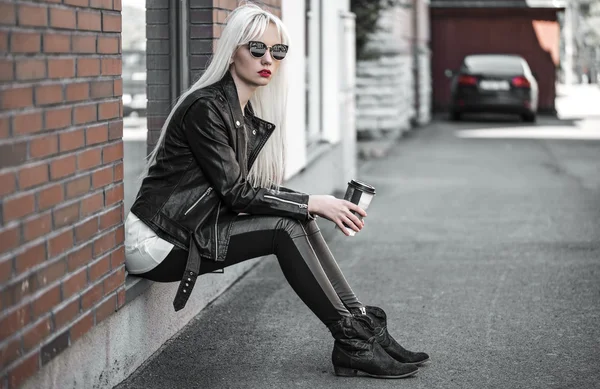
(494, 83)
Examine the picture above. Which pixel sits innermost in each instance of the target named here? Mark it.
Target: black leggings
(303, 255)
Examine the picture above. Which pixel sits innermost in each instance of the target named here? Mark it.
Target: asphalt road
(483, 247)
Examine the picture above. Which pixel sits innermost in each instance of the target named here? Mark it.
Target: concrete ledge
(114, 349)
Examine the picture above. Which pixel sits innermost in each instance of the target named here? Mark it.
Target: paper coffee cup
(360, 194)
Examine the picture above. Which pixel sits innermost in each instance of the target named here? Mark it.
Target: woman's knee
(291, 227)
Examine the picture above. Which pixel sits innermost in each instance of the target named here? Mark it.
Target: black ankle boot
(387, 342)
(356, 350)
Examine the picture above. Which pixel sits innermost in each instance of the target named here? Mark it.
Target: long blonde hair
(247, 22)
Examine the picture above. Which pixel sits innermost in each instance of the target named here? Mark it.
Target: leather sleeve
(206, 132)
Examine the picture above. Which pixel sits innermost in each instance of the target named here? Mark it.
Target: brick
(88, 67)
(61, 243)
(118, 172)
(92, 204)
(106, 308)
(30, 258)
(85, 114)
(108, 45)
(16, 98)
(78, 3)
(71, 140)
(37, 227)
(7, 72)
(117, 5)
(9, 238)
(102, 89)
(111, 66)
(43, 146)
(23, 370)
(79, 258)
(48, 94)
(34, 336)
(3, 42)
(99, 268)
(75, 283)
(114, 195)
(63, 167)
(17, 207)
(27, 123)
(104, 243)
(14, 321)
(111, 218)
(49, 197)
(33, 175)
(16, 292)
(65, 215)
(34, 16)
(89, 20)
(5, 127)
(97, 134)
(102, 4)
(56, 43)
(111, 22)
(89, 159)
(9, 184)
(119, 236)
(61, 68)
(51, 272)
(66, 314)
(25, 42)
(84, 44)
(30, 69)
(121, 298)
(112, 152)
(10, 352)
(86, 230)
(109, 110)
(117, 257)
(115, 130)
(78, 92)
(78, 186)
(62, 18)
(102, 177)
(118, 87)
(46, 301)
(8, 14)
(82, 326)
(58, 118)
(56, 346)
(115, 280)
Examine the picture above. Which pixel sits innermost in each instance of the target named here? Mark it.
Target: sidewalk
(484, 253)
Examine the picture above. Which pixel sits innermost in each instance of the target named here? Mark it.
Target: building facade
(70, 315)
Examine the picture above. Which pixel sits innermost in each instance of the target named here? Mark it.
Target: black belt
(192, 269)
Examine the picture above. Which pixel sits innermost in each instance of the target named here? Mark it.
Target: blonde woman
(211, 197)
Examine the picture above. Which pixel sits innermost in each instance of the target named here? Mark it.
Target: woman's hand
(337, 210)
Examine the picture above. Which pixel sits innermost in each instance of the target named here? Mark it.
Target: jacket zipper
(217, 233)
(287, 201)
(197, 201)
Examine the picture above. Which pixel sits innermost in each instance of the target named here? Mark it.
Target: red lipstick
(265, 73)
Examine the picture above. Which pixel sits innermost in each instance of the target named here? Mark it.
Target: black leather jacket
(196, 188)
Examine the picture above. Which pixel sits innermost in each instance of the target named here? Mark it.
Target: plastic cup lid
(362, 186)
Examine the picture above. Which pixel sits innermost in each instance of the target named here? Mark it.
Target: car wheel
(455, 116)
(529, 118)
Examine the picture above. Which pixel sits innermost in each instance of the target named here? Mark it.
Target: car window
(493, 64)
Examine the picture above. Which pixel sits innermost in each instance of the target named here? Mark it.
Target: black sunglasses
(258, 49)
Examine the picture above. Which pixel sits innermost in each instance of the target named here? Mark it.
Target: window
(134, 95)
(313, 71)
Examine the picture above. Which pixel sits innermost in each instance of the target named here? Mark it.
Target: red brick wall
(61, 172)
